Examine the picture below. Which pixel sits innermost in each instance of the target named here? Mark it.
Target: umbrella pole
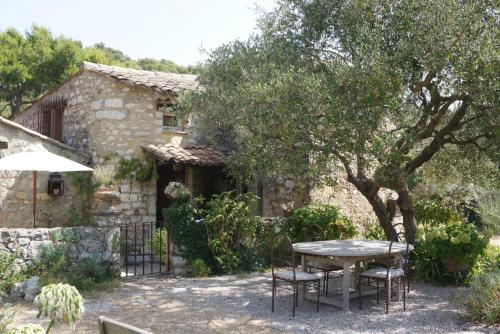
(34, 198)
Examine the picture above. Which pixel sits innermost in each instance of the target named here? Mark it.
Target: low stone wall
(85, 241)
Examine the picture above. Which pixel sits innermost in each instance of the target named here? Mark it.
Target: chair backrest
(282, 253)
(110, 326)
(314, 232)
(400, 238)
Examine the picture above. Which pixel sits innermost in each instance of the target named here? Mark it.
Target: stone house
(16, 188)
(111, 114)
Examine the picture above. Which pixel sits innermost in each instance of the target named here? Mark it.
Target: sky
(169, 29)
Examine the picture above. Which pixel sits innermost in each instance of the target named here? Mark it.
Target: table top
(350, 248)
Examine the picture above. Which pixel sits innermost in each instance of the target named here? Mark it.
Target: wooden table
(348, 253)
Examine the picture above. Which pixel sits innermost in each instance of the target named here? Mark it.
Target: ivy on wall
(134, 170)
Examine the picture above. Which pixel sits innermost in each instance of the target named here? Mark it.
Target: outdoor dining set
(376, 264)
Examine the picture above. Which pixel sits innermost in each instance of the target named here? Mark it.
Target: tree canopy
(34, 62)
(374, 87)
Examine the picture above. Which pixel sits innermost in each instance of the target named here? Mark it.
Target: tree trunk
(383, 215)
(406, 207)
(370, 190)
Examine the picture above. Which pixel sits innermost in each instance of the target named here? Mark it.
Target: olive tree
(374, 87)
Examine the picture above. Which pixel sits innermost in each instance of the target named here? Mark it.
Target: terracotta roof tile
(200, 155)
(160, 81)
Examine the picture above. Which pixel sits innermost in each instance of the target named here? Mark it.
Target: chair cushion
(382, 273)
(299, 275)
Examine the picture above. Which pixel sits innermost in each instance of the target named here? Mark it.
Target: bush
(188, 231)
(375, 232)
(230, 230)
(447, 253)
(60, 303)
(487, 262)
(10, 271)
(54, 265)
(483, 301)
(198, 268)
(328, 217)
(158, 243)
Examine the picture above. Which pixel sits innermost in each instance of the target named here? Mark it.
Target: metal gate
(144, 249)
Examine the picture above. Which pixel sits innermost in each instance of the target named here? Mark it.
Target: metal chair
(394, 272)
(314, 232)
(284, 271)
(389, 261)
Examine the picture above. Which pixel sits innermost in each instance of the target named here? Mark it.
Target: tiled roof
(160, 81)
(200, 155)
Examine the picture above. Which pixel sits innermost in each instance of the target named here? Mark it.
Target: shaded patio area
(242, 304)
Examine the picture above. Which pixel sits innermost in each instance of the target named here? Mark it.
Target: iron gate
(144, 250)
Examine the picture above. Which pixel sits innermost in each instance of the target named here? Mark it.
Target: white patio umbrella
(40, 162)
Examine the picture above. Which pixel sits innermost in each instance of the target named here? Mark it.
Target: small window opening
(170, 121)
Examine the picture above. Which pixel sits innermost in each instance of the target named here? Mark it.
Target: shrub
(104, 175)
(54, 265)
(446, 253)
(487, 262)
(6, 317)
(230, 229)
(188, 231)
(198, 268)
(27, 329)
(328, 217)
(10, 271)
(158, 243)
(483, 301)
(375, 232)
(60, 303)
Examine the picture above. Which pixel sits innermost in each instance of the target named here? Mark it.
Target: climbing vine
(134, 170)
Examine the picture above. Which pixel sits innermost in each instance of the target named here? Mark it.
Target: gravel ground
(242, 304)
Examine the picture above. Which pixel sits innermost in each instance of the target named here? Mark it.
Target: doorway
(167, 172)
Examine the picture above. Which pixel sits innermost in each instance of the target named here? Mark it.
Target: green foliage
(447, 252)
(55, 265)
(431, 212)
(35, 62)
(6, 317)
(222, 237)
(375, 232)
(84, 187)
(134, 170)
(487, 262)
(198, 268)
(333, 224)
(28, 329)
(483, 301)
(365, 86)
(103, 176)
(60, 303)
(158, 244)
(489, 210)
(187, 231)
(229, 228)
(10, 271)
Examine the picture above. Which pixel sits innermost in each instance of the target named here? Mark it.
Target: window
(50, 114)
(170, 121)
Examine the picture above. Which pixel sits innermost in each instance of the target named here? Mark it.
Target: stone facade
(112, 114)
(109, 120)
(85, 242)
(16, 188)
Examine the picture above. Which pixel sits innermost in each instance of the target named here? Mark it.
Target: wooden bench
(110, 326)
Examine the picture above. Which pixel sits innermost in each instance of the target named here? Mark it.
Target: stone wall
(16, 188)
(85, 241)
